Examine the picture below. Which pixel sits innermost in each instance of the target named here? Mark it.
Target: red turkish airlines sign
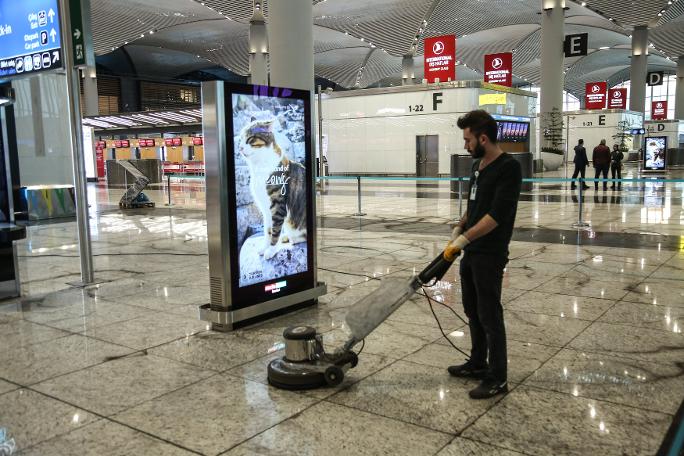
(440, 58)
(595, 95)
(659, 110)
(498, 69)
(617, 99)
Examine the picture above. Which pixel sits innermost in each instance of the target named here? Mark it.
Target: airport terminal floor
(594, 326)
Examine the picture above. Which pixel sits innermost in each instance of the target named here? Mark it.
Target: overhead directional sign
(30, 39)
(655, 78)
(81, 34)
(576, 45)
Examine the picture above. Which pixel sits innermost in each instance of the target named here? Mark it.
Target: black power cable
(430, 301)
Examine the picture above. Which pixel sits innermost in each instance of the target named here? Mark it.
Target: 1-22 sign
(416, 108)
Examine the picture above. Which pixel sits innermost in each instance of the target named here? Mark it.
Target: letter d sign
(655, 78)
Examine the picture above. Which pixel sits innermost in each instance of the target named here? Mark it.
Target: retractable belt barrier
(580, 224)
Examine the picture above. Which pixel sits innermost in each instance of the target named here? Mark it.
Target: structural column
(679, 94)
(91, 102)
(637, 76)
(407, 72)
(258, 47)
(290, 33)
(552, 62)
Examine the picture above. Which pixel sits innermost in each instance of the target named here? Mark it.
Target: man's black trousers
(481, 279)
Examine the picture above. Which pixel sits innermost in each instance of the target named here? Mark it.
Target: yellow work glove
(458, 230)
(454, 248)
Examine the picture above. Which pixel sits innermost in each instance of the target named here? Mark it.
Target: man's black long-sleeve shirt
(498, 189)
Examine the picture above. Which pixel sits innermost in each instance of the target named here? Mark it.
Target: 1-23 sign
(416, 108)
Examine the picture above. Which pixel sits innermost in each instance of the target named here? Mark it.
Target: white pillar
(258, 47)
(290, 32)
(552, 61)
(407, 72)
(679, 94)
(637, 95)
(91, 102)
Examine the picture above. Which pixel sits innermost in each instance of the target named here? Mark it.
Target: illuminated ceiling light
(603, 48)
(584, 3)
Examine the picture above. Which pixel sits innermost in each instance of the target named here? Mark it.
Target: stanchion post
(358, 193)
(168, 188)
(460, 197)
(581, 224)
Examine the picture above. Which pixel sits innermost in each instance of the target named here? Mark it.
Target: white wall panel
(376, 134)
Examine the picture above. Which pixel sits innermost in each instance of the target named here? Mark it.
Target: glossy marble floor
(594, 321)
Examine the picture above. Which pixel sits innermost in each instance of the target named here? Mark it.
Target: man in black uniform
(484, 233)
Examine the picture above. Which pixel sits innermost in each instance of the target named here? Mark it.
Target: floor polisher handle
(436, 269)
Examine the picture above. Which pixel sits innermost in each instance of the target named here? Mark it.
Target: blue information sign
(30, 38)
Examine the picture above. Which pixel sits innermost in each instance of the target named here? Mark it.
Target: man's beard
(478, 152)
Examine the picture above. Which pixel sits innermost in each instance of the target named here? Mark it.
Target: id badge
(473, 192)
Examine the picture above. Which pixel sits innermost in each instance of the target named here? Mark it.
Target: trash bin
(461, 166)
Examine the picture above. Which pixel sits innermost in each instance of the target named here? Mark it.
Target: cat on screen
(277, 185)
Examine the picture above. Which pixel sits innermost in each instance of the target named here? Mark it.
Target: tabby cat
(277, 185)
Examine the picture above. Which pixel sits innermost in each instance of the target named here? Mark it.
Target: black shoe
(468, 370)
(572, 187)
(612, 187)
(586, 187)
(489, 388)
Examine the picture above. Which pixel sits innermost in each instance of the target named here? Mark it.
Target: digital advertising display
(512, 131)
(655, 153)
(439, 60)
(30, 38)
(4, 187)
(271, 245)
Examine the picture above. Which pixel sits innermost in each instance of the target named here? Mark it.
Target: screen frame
(643, 158)
(249, 295)
(515, 128)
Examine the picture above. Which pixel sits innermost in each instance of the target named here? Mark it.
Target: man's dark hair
(581, 141)
(480, 123)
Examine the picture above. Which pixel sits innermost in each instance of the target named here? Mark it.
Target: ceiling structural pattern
(360, 44)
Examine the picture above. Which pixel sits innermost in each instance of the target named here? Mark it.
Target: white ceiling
(359, 43)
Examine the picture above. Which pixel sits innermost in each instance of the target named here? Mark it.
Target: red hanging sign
(595, 95)
(498, 68)
(617, 99)
(196, 141)
(440, 58)
(659, 110)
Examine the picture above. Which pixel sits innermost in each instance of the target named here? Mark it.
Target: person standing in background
(616, 157)
(601, 159)
(581, 161)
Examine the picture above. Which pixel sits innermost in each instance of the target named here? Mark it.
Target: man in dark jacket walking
(581, 161)
(601, 159)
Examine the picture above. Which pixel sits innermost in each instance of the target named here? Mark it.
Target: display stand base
(229, 320)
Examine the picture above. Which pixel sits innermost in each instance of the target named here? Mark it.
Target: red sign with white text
(440, 58)
(498, 68)
(595, 95)
(197, 141)
(659, 110)
(99, 159)
(617, 99)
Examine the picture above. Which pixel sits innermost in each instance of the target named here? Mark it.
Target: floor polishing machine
(306, 365)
